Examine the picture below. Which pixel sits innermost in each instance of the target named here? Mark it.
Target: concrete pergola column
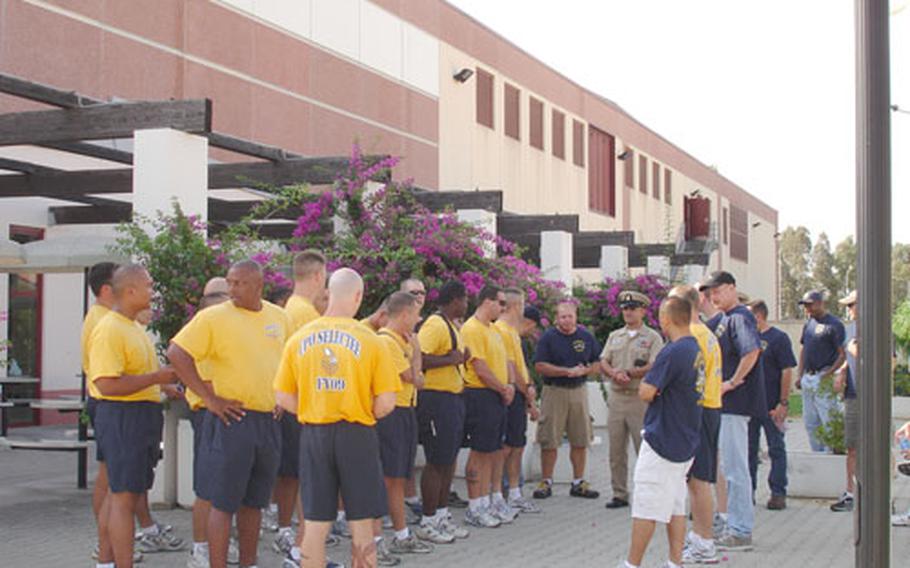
(614, 262)
(482, 219)
(169, 165)
(693, 273)
(556, 257)
(659, 266)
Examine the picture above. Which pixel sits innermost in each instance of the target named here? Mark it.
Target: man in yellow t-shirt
(240, 342)
(378, 319)
(704, 468)
(128, 419)
(524, 403)
(398, 431)
(337, 377)
(309, 286)
(487, 395)
(440, 407)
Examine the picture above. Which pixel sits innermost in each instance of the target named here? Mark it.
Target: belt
(561, 385)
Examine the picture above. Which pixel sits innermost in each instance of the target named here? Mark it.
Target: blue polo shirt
(776, 356)
(820, 340)
(567, 350)
(714, 321)
(850, 334)
(673, 418)
(737, 334)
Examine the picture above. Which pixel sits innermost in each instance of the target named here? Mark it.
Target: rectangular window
(601, 172)
(725, 221)
(578, 143)
(535, 125)
(628, 166)
(655, 181)
(512, 111)
(643, 174)
(559, 134)
(668, 187)
(484, 84)
(739, 233)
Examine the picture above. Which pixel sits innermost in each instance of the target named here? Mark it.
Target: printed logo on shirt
(701, 376)
(332, 384)
(720, 329)
(578, 345)
(331, 337)
(273, 330)
(820, 329)
(329, 361)
(764, 345)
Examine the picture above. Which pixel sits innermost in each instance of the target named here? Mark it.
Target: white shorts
(660, 486)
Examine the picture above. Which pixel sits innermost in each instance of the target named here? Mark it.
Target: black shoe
(844, 504)
(543, 491)
(617, 503)
(456, 502)
(582, 489)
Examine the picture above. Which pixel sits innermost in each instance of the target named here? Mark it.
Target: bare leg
(579, 458)
(851, 469)
(201, 510)
(286, 496)
(676, 537)
(120, 526)
(430, 483)
(702, 508)
(445, 484)
(313, 550)
(642, 531)
(219, 533)
(395, 488)
(249, 520)
(473, 474)
(105, 550)
(100, 490)
(547, 462)
(363, 546)
(143, 514)
(513, 467)
(410, 488)
(497, 467)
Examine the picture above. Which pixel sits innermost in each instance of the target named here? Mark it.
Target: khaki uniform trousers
(625, 419)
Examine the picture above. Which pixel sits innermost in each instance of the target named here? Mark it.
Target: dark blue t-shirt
(714, 321)
(557, 348)
(776, 355)
(821, 339)
(737, 334)
(673, 418)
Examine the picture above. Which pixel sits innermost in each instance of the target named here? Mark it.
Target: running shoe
(409, 545)
(544, 490)
(482, 518)
(431, 532)
(523, 505)
(448, 527)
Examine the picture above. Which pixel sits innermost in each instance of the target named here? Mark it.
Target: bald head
(132, 289)
(128, 276)
(345, 293)
(216, 285)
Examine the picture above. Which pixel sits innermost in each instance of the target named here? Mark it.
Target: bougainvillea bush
(599, 303)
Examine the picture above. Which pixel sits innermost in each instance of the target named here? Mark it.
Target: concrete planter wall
(597, 406)
(815, 475)
(900, 408)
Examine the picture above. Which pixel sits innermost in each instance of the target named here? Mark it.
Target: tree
(845, 265)
(900, 274)
(901, 326)
(795, 250)
(823, 268)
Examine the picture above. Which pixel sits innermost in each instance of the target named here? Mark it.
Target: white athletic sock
(485, 501)
(723, 516)
(377, 539)
(442, 513)
(412, 500)
(152, 529)
(848, 494)
(670, 564)
(514, 493)
(105, 565)
(630, 565)
(341, 516)
(498, 498)
(473, 504)
(548, 481)
(273, 507)
(577, 481)
(402, 534)
(425, 520)
(295, 553)
(200, 548)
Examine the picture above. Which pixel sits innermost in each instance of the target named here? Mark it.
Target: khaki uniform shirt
(626, 349)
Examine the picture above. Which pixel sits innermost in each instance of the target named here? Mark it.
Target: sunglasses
(502, 303)
(418, 292)
(851, 305)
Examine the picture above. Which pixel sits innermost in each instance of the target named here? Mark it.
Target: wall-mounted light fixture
(756, 224)
(624, 156)
(695, 193)
(463, 75)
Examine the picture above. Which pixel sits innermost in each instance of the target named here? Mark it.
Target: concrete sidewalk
(46, 521)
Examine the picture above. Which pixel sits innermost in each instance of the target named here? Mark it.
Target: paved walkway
(46, 521)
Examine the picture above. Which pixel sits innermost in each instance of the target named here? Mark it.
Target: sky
(764, 91)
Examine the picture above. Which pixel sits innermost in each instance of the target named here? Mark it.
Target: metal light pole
(873, 220)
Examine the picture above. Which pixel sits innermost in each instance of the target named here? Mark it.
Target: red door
(697, 212)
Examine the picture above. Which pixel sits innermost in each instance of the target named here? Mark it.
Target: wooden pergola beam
(440, 200)
(113, 120)
(92, 151)
(24, 167)
(509, 226)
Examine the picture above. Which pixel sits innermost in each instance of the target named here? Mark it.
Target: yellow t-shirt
(401, 352)
(710, 350)
(485, 343)
(119, 346)
(336, 366)
(241, 350)
(94, 315)
(436, 339)
(512, 342)
(301, 311)
(365, 322)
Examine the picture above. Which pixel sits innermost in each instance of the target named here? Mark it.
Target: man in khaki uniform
(626, 358)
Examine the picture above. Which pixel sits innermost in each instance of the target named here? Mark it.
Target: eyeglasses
(418, 292)
(851, 305)
(502, 303)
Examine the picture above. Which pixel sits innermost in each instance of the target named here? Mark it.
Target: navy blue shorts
(440, 425)
(197, 417)
(398, 442)
(91, 408)
(290, 446)
(485, 420)
(240, 461)
(128, 434)
(341, 457)
(704, 467)
(517, 422)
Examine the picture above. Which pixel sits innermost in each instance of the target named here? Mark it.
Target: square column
(556, 256)
(482, 219)
(614, 262)
(659, 266)
(170, 164)
(693, 273)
